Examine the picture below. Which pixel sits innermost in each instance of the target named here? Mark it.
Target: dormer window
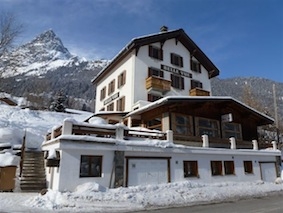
(176, 60)
(195, 66)
(155, 52)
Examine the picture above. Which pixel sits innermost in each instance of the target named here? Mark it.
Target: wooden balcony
(199, 92)
(158, 84)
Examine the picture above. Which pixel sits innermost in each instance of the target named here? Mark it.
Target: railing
(118, 132)
(159, 84)
(199, 92)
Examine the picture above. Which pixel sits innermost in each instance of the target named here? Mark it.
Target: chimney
(163, 29)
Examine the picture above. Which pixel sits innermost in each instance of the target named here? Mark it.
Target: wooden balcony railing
(158, 84)
(199, 92)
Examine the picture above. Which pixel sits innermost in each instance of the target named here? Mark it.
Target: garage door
(147, 171)
(268, 171)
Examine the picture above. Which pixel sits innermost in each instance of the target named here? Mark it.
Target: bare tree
(10, 29)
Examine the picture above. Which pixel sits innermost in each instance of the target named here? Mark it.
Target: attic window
(176, 60)
(195, 66)
(155, 52)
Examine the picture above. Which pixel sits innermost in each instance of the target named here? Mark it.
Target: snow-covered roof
(171, 99)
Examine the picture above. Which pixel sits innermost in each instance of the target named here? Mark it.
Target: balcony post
(232, 142)
(255, 144)
(205, 141)
(67, 128)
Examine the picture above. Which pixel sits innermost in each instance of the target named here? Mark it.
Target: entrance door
(268, 171)
(147, 171)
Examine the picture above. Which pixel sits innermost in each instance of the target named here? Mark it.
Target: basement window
(90, 166)
(229, 167)
(248, 167)
(190, 168)
(216, 168)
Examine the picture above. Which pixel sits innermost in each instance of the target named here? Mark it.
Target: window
(155, 72)
(177, 81)
(122, 79)
(155, 52)
(103, 93)
(195, 66)
(121, 104)
(190, 169)
(152, 98)
(176, 60)
(110, 107)
(229, 168)
(111, 87)
(207, 127)
(155, 123)
(248, 166)
(90, 166)
(232, 130)
(195, 84)
(182, 124)
(216, 167)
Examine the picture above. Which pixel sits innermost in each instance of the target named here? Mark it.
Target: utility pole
(276, 114)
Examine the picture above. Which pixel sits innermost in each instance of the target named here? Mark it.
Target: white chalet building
(156, 121)
(151, 67)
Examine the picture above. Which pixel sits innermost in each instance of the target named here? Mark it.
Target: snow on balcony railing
(118, 131)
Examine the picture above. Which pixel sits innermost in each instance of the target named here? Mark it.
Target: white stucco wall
(67, 176)
(125, 90)
(70, 175)
(137, 72)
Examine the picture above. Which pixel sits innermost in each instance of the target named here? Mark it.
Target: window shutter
(150, 50)
(199, 68)
(161, 54)
(171, 56)
(182, 83)
(181, 61)
(149, 72)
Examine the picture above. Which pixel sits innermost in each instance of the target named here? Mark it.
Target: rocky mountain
(43, 67)
(254, 91)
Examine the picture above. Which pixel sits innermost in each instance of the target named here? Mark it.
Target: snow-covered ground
(16, 122)
(91, 197)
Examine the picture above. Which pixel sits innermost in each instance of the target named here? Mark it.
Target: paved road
(269, 204)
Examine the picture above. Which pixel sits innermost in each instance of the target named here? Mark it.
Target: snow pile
(91, 197)
(8, 159)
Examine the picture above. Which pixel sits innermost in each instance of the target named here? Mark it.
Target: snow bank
(8, 159)
(91, 197)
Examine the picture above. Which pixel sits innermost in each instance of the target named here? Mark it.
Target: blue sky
(241, 37)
